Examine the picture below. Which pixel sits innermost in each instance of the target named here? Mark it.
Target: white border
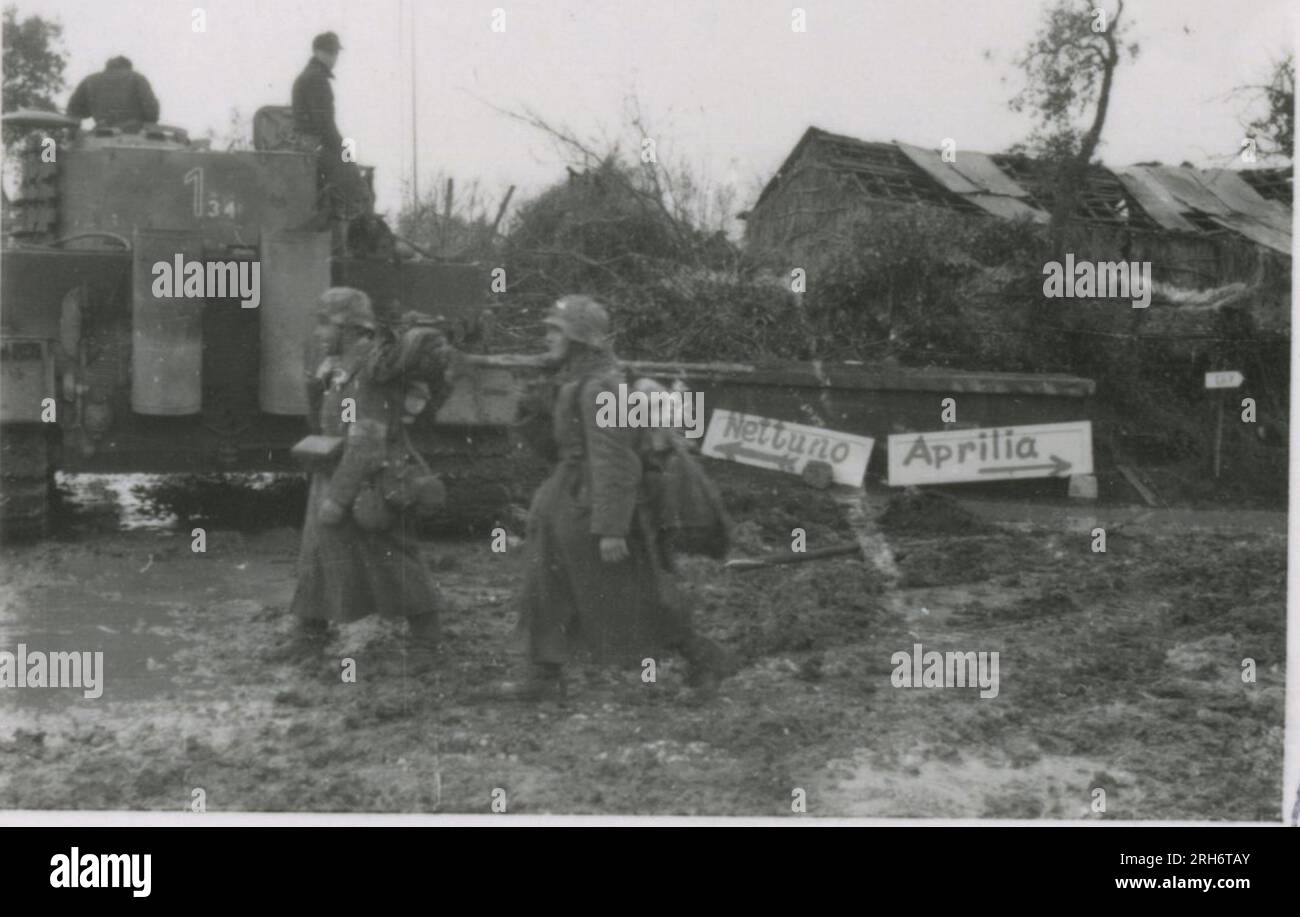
(1291, 735)
(114, 819)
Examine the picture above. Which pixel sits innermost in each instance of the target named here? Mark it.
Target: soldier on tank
(595, 584)
(115, 97)
(369, 486)
(346, 193)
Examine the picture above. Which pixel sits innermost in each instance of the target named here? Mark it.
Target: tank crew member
(313, 119)
(595, 582)
(115, 97)
(359, 555)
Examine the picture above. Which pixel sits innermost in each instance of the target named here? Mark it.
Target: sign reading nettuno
(995, 453)
(784, 446)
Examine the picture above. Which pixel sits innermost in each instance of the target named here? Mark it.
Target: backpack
(685, 505)
(688, 506)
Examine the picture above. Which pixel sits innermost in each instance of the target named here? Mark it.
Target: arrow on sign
(736, 450)
(1058, 467)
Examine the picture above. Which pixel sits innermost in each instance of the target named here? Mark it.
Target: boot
(543, 681)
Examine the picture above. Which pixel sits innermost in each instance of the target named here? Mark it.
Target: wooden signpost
(783, 446)
(991, 454)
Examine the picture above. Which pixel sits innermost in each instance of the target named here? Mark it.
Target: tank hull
(68, 329)
(166, 328)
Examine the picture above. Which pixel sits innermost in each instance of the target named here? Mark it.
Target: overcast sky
(726, 84)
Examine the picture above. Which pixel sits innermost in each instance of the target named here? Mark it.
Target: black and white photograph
(842, 411)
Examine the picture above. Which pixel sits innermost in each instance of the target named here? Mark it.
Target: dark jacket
(573, 601)
(114, 97)
(346, 572)
(313, 105)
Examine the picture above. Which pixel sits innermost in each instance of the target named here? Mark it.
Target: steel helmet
(582, 319)
(347, 306)
(326, 41)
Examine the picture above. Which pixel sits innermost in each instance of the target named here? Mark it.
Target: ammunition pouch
(370, 511)
(408, 485)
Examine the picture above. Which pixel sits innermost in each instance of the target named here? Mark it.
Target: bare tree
(453, 221)
(1274, 129)
(662, 185)
(1070, 72)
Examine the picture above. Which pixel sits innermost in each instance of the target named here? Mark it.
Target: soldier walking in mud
(595, 582)
(369, 485)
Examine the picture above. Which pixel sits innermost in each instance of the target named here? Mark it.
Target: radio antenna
(415, 144)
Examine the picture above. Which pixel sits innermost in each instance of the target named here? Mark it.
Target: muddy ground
(1120, 671)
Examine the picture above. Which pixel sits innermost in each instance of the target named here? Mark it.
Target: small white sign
(991, 454)
(784, 446)
(1226, 379)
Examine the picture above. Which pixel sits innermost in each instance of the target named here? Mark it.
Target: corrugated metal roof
(1174, 198)
(1008, 208)
(975, 177)
(1229, 187)
(983, 171)
(1172, 194)
(940, 171)
(1274, 184)
(1154, 198)
(877, 169)
(1257, 232)
(1184, 185)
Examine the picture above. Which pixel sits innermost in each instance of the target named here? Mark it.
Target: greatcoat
(344, 571)
(573, 602)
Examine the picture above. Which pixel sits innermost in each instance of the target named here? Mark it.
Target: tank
(133, 337)
(128, 338)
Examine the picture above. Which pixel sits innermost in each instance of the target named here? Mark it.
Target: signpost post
(789, 447)
(1224, 379)
(990, 454)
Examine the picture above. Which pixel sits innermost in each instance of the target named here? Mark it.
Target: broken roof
(1148, 198)
(978, 180)
(1221, 195)
(1272, 184)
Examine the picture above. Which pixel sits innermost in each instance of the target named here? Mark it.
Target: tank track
(26, 482)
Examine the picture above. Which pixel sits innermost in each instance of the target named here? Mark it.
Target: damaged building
(1210, 234)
